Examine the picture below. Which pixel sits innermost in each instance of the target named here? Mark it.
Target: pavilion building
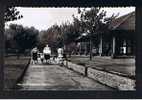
(118, 41)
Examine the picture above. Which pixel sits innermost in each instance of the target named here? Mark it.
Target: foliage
(20, 37)
(51, 36)
(69, 33)
(11, 14)
(94, 20)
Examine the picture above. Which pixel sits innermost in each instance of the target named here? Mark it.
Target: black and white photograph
(70, 49)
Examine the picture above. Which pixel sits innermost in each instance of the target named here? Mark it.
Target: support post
(101, 47)
(2, 45)
(80, 48)
(113, 46)
(138, 48)
(91, 46)
(85, 48)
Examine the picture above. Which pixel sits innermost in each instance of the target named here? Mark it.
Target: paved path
(55, 77)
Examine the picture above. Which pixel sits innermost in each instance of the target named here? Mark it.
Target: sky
(43, 18)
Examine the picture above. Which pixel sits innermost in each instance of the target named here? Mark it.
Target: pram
(34, 57)
(60, 56)
(47, 58)
(42, 57)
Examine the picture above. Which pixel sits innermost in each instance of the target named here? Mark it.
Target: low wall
(112, 80)
(20, 78)
(78, 68)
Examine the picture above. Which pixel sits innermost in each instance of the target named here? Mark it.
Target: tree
(70, 33)
(59, 36)
(26, 38)
(20, 38)
(52, 37)
(11, 13)
(94, 21)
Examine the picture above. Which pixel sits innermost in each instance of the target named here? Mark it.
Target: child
(34, 55)
(60, 56)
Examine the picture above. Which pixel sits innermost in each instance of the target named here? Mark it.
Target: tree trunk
(91, 47)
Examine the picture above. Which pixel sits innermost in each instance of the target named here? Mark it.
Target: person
(54, 59)
(34, 54)
(60, 55)
(42, 57)
(47, 53)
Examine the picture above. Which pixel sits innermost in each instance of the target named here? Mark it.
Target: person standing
(60, 55)
(34, 55)
(47, 53)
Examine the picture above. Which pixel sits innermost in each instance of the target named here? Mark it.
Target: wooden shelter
(83, 43)
(118, 41)
(121, 38)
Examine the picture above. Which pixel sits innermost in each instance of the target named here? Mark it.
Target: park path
(55, 77)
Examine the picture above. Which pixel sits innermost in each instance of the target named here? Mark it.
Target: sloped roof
(83, 37)
(126, 22)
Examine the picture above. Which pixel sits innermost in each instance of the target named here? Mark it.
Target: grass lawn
(125, 66)
(13, 70)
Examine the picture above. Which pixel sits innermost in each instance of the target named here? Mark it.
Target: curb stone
(20, 78)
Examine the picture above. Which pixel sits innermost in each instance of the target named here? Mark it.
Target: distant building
(119, 41)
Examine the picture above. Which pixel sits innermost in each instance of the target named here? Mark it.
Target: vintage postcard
(70, 49)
